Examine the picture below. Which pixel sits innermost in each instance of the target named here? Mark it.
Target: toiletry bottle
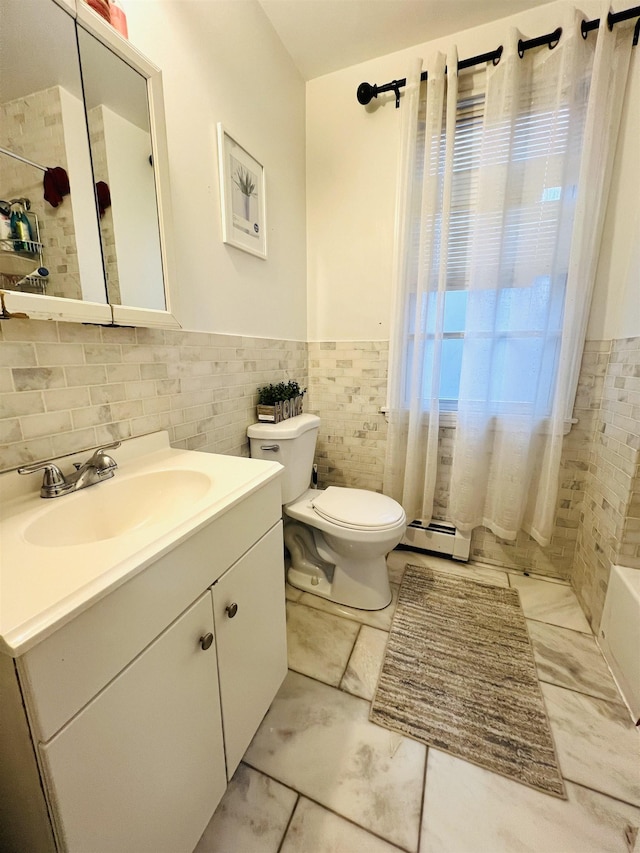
(21, 229)
(118, 18)
(6, 244)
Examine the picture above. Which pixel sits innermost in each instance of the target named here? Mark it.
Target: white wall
(221, 61)
(83, 199)
(135, 218)
(615, 310)
(351, 184)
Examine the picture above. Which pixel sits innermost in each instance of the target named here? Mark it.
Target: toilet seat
(357, 509)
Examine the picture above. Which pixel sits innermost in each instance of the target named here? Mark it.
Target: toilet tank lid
(291, 428)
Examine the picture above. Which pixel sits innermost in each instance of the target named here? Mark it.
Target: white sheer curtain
(422, 232)
(547, 146)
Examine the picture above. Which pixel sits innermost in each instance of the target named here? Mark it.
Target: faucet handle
(99, 454)
(52, 480)
(100, 460)
(111, 446)
(100, 451)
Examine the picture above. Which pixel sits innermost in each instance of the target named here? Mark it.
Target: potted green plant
(281, 401)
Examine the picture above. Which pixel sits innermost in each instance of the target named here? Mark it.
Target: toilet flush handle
(274, 447)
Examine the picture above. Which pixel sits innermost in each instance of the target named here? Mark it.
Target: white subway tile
(91, 416)
(24, 403)
(38, 378)
(87, 375)
(107, 393)
(17, 355)
(71, 442)
(57, 353)
(66, 398)
(48, 424)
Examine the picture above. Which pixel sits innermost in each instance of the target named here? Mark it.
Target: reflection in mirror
(49, 240)
(120, 139)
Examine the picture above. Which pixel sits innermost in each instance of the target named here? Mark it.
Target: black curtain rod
(612, 19)
(366, 91)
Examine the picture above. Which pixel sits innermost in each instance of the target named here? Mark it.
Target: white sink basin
(116, 507)
(60, 556)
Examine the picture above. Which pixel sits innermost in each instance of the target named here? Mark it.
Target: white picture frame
(242, 196)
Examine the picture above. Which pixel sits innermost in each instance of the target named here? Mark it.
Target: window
(526, 315)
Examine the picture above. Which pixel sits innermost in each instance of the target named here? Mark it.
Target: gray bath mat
(459, 675)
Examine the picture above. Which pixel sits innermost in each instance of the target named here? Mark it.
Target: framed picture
(242, 197)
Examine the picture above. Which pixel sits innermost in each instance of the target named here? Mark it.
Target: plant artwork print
(242, 197)
(244, 192)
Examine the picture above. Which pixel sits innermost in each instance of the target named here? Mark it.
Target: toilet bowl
(337, 538)
(353, 530)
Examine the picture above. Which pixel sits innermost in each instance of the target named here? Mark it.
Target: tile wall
(65, 387)
(347, 388)
(44, 144)
(609, 530)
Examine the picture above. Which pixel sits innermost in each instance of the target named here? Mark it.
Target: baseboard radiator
(439, 538)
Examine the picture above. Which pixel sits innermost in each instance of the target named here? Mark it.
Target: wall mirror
(42, 124)
(106, 246)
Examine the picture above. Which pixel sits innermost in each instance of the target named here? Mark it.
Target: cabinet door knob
(232, 609)
(206, 642)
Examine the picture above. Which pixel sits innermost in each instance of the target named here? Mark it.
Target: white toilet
(338, 538)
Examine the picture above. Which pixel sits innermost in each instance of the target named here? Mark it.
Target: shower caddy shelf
(16, 264)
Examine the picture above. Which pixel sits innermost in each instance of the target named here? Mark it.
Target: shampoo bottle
(21, 229)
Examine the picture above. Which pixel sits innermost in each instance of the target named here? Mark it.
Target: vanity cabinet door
(141, 767)
(249, 615)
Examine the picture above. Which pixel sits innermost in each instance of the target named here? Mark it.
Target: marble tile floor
(320, 778)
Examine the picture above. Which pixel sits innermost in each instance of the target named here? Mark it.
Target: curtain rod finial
(366, 92)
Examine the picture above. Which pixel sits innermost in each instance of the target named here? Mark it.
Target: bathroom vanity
(140, 648)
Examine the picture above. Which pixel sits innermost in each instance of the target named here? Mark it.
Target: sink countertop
(42, 588)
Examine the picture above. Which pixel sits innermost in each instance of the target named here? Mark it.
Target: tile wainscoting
(66, 387)
(41, 138)
(609, 530)
(347, 387)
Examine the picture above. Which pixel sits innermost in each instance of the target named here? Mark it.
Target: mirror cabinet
(84, 190)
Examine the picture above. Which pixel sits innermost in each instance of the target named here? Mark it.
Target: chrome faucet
(100, 466)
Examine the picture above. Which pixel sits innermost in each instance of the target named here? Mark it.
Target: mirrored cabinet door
(49, 238)
(82, 109)
(125, 116)
(122, 157)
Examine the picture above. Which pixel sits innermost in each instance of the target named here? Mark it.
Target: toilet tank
(292, 443)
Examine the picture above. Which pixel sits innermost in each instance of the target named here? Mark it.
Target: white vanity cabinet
(251, 641)
(122, 727)
(139, 768)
